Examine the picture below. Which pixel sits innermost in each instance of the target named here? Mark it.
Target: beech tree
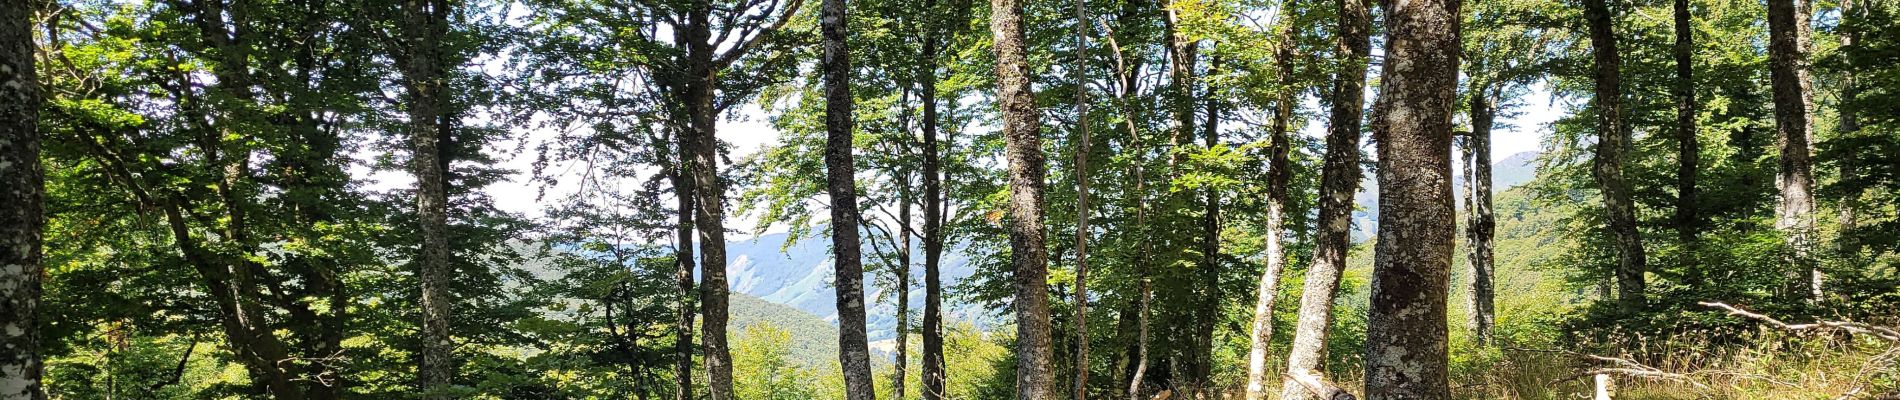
(21, 217)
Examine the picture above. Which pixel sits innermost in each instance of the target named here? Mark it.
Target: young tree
(1406, 351)
(1278, 175)
(1082, 142)
(423, 72)
(1788, 46)
(1688, 150)
(1339, 181)
(1612, 147)
(1028, 254)
(21, 206)
(933, 378)
(841, 183)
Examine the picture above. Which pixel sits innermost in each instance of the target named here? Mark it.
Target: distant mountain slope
(1517, 169)
(814, 341)
(800, 276)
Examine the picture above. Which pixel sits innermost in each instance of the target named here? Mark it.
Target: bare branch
(1884, 333)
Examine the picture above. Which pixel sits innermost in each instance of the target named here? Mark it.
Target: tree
(841, 183)
(21, 217)
(1788, 45)
(1339, 181)
(1082, 142)
(1688, 150)
(1028, 254)
(1613, 142)
(1406, 351)
(1278, 175)
(425, 22)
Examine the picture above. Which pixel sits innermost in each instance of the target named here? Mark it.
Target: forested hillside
(949, 199)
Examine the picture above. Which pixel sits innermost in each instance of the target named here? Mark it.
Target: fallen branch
(1884, 333)
(1638, 370)
(1318, 386)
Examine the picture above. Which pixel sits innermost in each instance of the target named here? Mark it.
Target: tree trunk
(427, 22)
(1028, 254)
(1406, 333)
(903, 289)
(21, 206)
(1483, 222)
(841, 182)
(1339, 181)
(1851, 13)
(1688, 150)
(1613, 142)
(933, 378)
(683, 192)
(1794, 181)
(1082, 142)
(1278, 174)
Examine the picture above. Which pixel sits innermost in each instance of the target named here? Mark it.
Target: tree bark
(1082, 210)
(1339, 181)
(426, 23)
(1794, 181)
(1483, 223)
(933, 378)
(1028, 254)
(22, 205)
(1849, 125)
(841, 182)
(1688, 149)
(1406, 354)
(681, 178)
(1278, 174)
(902, 367)
(1613, 142)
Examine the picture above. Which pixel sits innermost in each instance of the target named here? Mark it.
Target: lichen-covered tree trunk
(841, 183)
(426, 22)
(21, 206)
(1339, 181)
(1278, 175)
(1406, 353)
(1613, 142)
(1023, 149)
(1794, 181)
(1483, 224)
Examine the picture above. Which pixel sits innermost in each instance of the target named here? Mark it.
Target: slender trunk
(21, 206)
(1850, 125)
(1688, 150)
(841, 182)
(1613, 142)
(709, 209)
(1210, 262)
(1406, 355)
(1082, 142)
(1483, 221)
(683, 275)
(1278, 175)
(933, 374)
(1023, 142)
(1339, 181)
(903, 289)
(427, 22)
(1183, 55)
(1794, 181)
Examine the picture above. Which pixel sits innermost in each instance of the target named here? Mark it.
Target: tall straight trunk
(903, 290)
(933, 378)
(1794, 210)
(1483, 220)
(1211, 270)
(682, 181)
(22, 187)
(1082, 142)
(1406, 355)
(854, 353)
(427, 22)
(1278, 175)
(1688, 150)
(1023, 141)
(1849, 124)
(1613, 142)
(1183, 54)
(709, 209)
(1339, 181)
